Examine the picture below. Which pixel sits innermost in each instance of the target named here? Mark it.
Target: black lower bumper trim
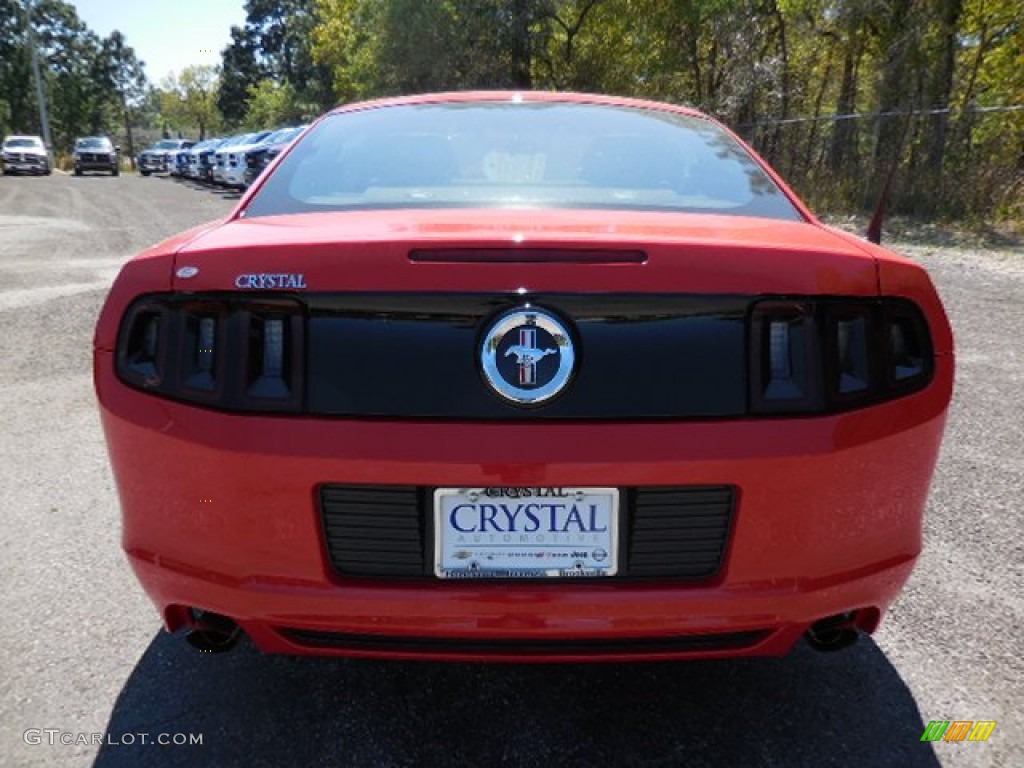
(427, 646)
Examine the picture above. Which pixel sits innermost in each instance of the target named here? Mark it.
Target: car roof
(534, 97)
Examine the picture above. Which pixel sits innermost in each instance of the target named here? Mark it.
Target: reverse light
(852, 355)
(854, 347)
(267, 348)
(784, 357)
(781, 382)
(201, 352)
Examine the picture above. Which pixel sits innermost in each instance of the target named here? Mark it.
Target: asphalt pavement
(83, 659)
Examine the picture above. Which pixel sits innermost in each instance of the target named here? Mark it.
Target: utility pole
(44, 118)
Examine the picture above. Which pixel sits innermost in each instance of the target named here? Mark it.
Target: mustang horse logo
(528, 355)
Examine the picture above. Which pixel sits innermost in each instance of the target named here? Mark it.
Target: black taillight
(272, 365)
(907, 356)
(202, 343)
(140, 355)
(830, 354)
(852, 351)
(853, 372)
(224, 352)
(785, 358)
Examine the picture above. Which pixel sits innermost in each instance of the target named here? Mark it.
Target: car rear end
(312, 441)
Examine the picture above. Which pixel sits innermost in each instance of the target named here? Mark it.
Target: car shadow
(809, 709)
(222, 192)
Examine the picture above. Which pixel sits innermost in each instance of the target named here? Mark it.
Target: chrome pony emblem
(528, 356)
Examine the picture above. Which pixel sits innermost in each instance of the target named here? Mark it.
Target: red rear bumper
(220, 513)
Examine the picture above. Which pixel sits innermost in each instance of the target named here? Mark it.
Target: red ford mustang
(522, 376)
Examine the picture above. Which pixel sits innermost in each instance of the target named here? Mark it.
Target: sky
(168, 35)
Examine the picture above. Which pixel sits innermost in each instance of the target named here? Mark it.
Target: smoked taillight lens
(224, 352)
(204, 338)
(906, 354)
(270, 356)
(822, 354)
(140, 352)
(785, 357)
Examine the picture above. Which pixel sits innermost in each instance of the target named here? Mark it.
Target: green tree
(71, 54)
(344, 45)
(189, 101)
(126, 77)
(284, 30)
(273, 104)
(15, 71)
(240, 72)
(90, 84)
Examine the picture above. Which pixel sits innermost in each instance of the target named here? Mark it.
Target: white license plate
(525, 533)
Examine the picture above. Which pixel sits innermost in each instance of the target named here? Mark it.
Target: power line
(875, 115)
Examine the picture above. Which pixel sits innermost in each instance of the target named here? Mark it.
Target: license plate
(525, 533)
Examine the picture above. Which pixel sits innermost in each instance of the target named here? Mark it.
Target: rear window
(507, 154)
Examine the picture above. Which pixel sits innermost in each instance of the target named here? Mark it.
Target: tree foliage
(189, 101)
(93, 85)
(273, 104)
(275, 47)
(242, 70)
(839, 94)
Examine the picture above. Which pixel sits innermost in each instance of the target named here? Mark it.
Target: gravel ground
(81, 649)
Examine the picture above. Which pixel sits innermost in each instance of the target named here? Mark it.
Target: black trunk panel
(638, 357)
